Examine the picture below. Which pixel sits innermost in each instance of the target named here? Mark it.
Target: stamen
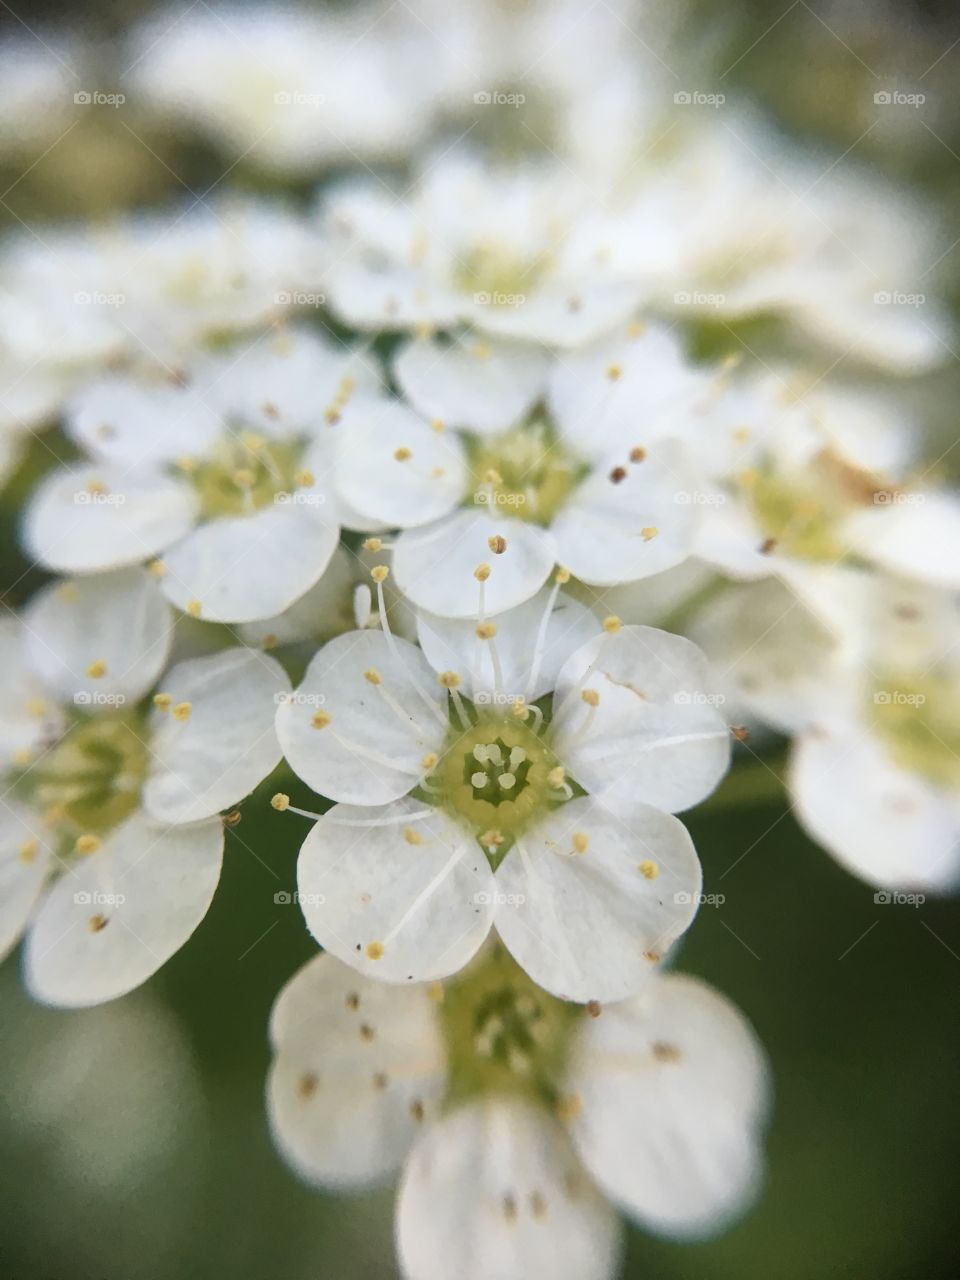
(182, 711)
(97, 670)
(86, 844)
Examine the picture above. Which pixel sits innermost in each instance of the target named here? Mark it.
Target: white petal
(227, 744)
(425, 481)
(241, 568)
(623, 391)
(475, 386)
(28, 717)
(390, 298)
(284, 384)
(528, 664)
(673, 1087)
(112, 921)
(494, 1192)
(564, 314)
(591, 925)
(656, 736)
(370, 752)
(84, 518)
(611, 532)
(888, 826)
(25, 858)
(322, 612)
(916, 534)
(359, 1067)
(125, 420)
(362, 881)
(119, 619)
(435, 566)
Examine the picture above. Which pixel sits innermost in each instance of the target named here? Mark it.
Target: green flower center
(526, 472)
(245, 473)
(91, 780)
(919, 723)
(503, 1034)
(801, 514)
(496, 778)
(498, 275)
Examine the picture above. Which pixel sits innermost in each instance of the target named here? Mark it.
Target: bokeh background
(134, 1136)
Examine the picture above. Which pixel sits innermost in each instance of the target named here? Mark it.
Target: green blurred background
(134, 1136)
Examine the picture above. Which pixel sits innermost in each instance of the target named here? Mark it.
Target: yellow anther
(187, 463)
(614, 372)
(402, 454)
(438, 473)
(28, 850)
(492, 839)
(612, 624)
(37, 707)
(97, 669)
(269, 642)
(374, 950)
(435, 992)
(193, 608)
(182, 711)
(380, 572)
(580, 842)
(497, 544)
(320, 719)
(424, 330)
(636, 329)
(373, 676)
(590, 697)
(449, 680)
(557, 776)
(280, 802)
(157, 568)
(749, 477)
(741, 435)
(250, 439)
(482, 572)
(492, 477)
(68, 591)
(372, 544)
(430, 761)
(438, 425)
(332, 416)
(648, 532)
(304, 479)
(483, 351)
(519, 709)
(562, 575)
(244, 478)
(87, 844)
(637, 453)
(486, 630)
(23, 756)
(96, 487)
(97, 923)
(648, 869)
(162, 701)
(412, 835)
(569, 1108)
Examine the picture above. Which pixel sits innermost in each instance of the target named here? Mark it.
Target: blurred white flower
(513, 1117)
(111, 840)
(449, 824)
(287, 88)
(224, 476)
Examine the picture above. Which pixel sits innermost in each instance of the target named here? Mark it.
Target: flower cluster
(455, 484)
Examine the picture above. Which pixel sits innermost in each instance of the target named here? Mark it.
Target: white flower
(517, 252)
(559, 835)
(576, 481)
(287, 90)
(513, 1117)
(110, 838)
(224, 477)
